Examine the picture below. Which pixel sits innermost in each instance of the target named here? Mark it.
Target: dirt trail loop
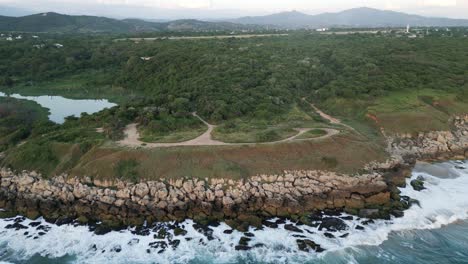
(132, 138)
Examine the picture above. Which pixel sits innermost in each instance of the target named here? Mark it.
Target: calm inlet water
(61, 107)
(434, 232)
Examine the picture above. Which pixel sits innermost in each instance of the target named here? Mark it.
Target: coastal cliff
(291, 193)
(372, 193)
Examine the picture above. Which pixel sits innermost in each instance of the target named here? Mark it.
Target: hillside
(357, 17)
(59, 23)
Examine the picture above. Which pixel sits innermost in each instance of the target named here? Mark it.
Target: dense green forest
(258, 77)
(246, 86)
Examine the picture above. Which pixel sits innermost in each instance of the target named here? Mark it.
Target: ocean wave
(443, 202)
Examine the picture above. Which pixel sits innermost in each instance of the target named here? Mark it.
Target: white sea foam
(443, 202)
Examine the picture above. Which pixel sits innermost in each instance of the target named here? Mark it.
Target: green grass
(343, 153)
(314, 133)
(417, 111)
(181, 135)
(276, 129)
(17, 118)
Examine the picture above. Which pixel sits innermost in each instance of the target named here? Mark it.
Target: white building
(321, 29)
(58, 45)
(9, 39)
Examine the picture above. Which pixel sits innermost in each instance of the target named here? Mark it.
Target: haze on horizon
(215, 9)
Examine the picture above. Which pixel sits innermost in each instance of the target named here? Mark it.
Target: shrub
(127, 169)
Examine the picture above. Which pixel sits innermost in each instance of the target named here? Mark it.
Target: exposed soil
(132, 138)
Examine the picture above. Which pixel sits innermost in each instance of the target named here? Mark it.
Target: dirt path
(132, 138)
(330, 118)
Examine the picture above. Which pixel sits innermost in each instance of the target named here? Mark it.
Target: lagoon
(60, 107)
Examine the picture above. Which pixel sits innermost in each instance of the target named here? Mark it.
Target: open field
(348, 152)
(417, 111)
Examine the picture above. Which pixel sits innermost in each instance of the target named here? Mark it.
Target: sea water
(434, 232)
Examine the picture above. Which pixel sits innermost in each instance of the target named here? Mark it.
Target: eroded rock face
(291, 192)
(432, 143)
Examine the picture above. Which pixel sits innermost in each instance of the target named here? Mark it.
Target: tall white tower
(407, 28)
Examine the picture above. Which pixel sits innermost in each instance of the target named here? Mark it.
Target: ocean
(435, 231)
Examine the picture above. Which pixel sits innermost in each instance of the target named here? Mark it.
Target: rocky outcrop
(292, 192)
(432, 144)
(286, 194)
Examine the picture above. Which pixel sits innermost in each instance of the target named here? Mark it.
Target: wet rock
(205, 230)
(418, 185)
(299, 236)
(333, 224)
(293, 228)
(116, 249)
(64, 221)
(162, 245)
(358, 227)
(369, 213)
(367, 222)
(162, 234)
(349, 217)
(228, 231)
(141, 231)
(174, 243)
(16, 226)
(270, 224)
(329, 235)
(179, 232)
(102, 230)
(344, 235)
(398, 213)
(244, 241)
(242, 248)
(307, 245)
(280, 221)
(248, 234)
(134, 241)
(43, 228)
(34, 224)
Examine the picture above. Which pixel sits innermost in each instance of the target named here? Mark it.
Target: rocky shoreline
(292, 194)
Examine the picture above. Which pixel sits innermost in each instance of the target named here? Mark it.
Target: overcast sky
(168, 9)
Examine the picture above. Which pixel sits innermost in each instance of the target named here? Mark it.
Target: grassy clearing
(417, 111)
(314, 133)
(342, 153)
(255, 131)
(170, 137)
(171, 130)
(399, 112)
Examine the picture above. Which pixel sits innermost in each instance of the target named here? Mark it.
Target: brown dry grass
(349, 151)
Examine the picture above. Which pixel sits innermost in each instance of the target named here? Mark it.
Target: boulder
(141, 190)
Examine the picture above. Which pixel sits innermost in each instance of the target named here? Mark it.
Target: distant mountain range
(358, 17)
(54, 22)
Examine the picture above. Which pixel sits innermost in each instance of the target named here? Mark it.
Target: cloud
(441, 3)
